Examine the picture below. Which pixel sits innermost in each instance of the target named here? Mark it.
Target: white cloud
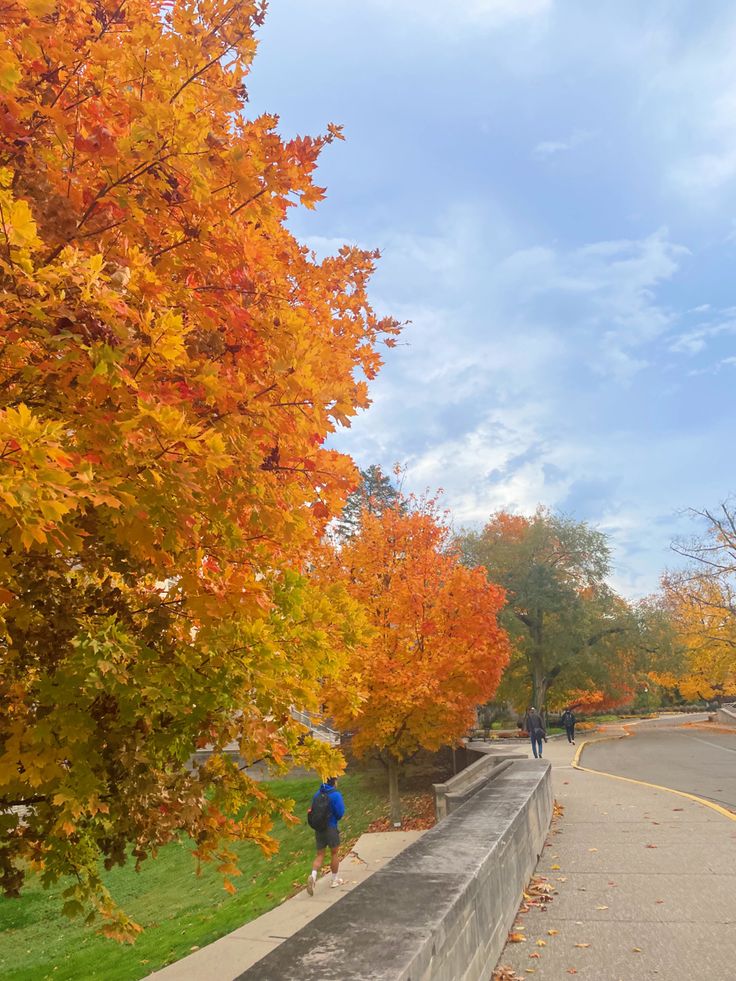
(548, 148)
(606, 291)
(693, 88)
(696, 340)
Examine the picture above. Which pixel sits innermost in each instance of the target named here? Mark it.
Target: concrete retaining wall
(450, 795)
(726, 715)
(441, 910)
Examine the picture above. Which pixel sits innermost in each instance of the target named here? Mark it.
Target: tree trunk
(539, 687)
(393, 791)
(539, 681)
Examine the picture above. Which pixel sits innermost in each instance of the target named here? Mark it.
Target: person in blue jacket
(329, 836)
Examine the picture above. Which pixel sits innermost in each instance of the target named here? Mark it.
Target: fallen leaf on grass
(582, 945)
(516, 938)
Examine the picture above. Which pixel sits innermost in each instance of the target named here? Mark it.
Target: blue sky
(552, 184)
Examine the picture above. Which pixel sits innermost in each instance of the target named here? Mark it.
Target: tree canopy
(172, 359)
(375, 492)
(436, 649)
(702, 600)
(571, 635)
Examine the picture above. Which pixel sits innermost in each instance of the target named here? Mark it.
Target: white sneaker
(310, 885)
(337, 882)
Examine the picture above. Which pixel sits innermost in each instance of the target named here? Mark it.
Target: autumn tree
(172, 359)
(560, 611)
(437, 650)
(702, 598)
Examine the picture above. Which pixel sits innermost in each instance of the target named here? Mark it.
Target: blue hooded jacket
(337, 804)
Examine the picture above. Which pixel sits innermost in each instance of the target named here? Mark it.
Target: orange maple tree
(437, 650)
(172, 359)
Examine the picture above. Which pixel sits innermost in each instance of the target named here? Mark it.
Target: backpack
(318, 815)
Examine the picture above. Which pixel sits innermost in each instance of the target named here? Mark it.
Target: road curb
(643, 783)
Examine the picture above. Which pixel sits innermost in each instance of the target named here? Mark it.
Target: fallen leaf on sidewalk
(592, 849)
(636, 950)
(541, 943)
(601, 907)
(552, 933)
(555, 868)
(535, 955)
(562, 878)
(505, 973)
(658, 901)
(572, 970)
(582, 945)
(678, 808)
(651, 846)
(516, 938)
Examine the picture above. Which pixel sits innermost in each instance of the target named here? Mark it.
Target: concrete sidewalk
(645, 885)
(228, 957)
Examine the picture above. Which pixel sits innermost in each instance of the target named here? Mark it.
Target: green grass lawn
(177, 909)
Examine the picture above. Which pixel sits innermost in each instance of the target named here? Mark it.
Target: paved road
(694, 760)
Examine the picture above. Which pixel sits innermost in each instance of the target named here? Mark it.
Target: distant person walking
(537, 733)
(326, 810)
(568, 720)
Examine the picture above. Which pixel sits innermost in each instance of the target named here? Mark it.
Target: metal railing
(316, 727)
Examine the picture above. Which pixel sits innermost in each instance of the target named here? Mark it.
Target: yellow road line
(643, 783)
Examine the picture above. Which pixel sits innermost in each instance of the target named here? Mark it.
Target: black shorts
(329, 838)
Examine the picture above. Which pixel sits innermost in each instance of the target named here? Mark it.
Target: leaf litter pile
(418, 814)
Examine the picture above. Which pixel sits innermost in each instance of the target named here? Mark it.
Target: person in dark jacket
(537, 732)
(568, 720)
(329, 838)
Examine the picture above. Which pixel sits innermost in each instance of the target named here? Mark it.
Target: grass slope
(178, 909)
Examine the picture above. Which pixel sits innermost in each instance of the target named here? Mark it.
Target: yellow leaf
(582, 945)
(9, 70)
